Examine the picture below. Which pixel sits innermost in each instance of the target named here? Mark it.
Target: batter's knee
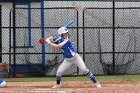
(59, 73)
(85, 71)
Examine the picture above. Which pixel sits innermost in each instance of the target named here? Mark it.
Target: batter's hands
(49, 39)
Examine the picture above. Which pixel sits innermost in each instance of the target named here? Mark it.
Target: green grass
(81, 78)
(120, 77)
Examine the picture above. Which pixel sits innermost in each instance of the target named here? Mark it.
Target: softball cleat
(98, 85)
(56, 86)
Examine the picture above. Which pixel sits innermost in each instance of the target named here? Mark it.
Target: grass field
(81, 78)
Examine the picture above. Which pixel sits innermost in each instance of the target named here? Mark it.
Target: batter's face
(65, 35)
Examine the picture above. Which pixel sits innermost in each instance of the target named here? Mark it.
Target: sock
(58, 80)
(90, 75)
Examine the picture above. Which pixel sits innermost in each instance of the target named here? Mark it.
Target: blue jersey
(67, 49)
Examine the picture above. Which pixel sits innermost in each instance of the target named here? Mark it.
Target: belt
(70, 56)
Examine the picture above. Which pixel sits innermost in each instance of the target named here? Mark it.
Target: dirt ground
(72, 87)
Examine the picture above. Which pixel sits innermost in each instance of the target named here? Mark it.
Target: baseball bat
(67, 25)
(56, 34)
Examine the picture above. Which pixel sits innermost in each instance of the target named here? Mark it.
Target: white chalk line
(40, 90)
(47, 90)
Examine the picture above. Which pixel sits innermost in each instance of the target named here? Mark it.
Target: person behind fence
(70, 55)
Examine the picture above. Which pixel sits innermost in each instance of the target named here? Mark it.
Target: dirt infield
(72, 87)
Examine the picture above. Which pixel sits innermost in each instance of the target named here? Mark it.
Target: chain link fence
(105, 34)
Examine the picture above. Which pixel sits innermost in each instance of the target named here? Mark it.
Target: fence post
(14, 40)
(0, 34)
(113, 2)
(42, 31)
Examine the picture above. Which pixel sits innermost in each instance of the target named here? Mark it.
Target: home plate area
(72, 87)
(35, 90)
(41, 90)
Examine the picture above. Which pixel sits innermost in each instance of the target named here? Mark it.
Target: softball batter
(70, 57)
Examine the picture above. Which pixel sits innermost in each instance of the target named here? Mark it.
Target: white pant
(77, 60)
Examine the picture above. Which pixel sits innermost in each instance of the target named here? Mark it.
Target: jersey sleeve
(64, 43)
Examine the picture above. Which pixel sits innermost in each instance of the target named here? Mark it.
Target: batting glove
(51, 37)
(48, 40)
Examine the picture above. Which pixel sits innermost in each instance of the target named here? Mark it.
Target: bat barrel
(69, 23)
